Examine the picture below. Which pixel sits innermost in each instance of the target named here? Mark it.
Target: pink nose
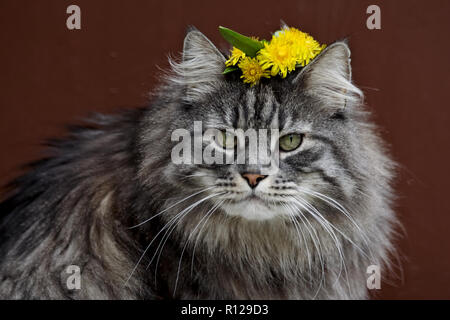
(253, 179)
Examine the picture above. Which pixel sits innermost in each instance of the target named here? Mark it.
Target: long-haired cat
(111, 201)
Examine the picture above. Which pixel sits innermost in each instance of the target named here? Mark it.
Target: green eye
(290, 141)
(226, 140)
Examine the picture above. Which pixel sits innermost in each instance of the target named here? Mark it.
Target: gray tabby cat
(110, 200)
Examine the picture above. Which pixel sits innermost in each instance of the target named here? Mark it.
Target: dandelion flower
(252, 71)
(307, 48)
(288, 48)
(278, 55)
(235, 56)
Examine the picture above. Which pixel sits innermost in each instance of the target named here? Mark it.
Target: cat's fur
(77, 207)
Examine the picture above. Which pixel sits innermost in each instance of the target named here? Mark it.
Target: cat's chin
(251, 209)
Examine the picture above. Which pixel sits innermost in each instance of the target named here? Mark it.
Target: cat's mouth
(253, 197)
(253, 207)
(256, 198)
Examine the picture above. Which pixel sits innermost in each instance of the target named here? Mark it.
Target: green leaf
(248, 45)
(230, 69)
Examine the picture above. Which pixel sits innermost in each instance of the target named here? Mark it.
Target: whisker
(188, 197)
(316, 245)
(148, 247)
(167, 225)
(326, 225)
(211, 211)
(341, 208)
(346, 214)
(297, 228)
(338, 230)
(174, 225)
(198, 235)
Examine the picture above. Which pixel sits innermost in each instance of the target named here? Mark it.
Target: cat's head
(311, 110)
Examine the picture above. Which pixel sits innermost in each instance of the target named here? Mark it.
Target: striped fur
(110, 200)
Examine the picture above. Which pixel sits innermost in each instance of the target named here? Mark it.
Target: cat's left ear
(329, 77)
(200, 70)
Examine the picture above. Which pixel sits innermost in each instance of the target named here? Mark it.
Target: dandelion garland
(288, 49)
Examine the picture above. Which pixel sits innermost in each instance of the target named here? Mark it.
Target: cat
(111, 202)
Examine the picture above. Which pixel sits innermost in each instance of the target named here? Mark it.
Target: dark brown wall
(49, 76)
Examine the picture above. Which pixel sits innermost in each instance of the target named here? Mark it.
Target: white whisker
(211, 211)
(174, 224)
(344, 211)
(329, 228)
(368, 256)
(167, 225)
(316, 242)
(198, 235)
(188, 197)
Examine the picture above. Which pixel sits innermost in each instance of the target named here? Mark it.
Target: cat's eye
(290, 142)
(226, 140)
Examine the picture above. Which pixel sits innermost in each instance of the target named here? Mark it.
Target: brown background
(50, 76)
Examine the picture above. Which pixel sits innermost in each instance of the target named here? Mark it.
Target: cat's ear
(329, 77)
(200, 70)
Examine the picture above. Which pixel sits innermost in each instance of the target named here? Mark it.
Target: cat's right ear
(200, 70)
(328, 77)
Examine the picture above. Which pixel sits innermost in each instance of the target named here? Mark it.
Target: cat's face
(306, 118)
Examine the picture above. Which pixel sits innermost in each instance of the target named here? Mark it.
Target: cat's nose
(253, 179)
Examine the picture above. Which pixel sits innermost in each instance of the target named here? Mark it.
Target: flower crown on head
(288, 49)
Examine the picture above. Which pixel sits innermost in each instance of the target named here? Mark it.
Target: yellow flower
(307, 47)
(278, 55)
(288, 48)
(252, 71)
(236, 54)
